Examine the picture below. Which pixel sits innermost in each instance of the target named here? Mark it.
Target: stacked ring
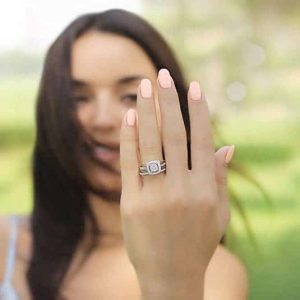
(153, 167)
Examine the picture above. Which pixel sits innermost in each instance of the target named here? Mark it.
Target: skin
(117, 57)
(178, 214)
(101, 117)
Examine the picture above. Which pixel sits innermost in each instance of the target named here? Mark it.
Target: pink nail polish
(146, 89)
(164, 78)
(194, 90)
(229, 154)
(130, 117)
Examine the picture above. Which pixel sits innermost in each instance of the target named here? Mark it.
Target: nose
(104, 115)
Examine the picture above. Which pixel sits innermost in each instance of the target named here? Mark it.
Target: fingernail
(164, 78)
(130, 117)
(194, 90)
(229, 154)
(146, 89)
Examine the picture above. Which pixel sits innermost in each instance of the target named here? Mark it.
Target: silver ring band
(153, 167)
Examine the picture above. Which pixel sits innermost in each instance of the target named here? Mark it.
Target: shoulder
(23, 239)
(4, 237)
(226, 276)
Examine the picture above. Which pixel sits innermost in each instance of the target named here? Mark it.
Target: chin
(108, 189)
(106, 182)
(100, 175)
(104, 179)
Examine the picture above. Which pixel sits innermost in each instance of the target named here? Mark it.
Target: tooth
(100, 148)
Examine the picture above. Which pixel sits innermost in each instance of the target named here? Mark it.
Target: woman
(87, 238)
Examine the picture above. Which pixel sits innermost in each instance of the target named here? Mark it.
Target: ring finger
(149, 135)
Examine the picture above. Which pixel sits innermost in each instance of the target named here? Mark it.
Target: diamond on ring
(153, 167)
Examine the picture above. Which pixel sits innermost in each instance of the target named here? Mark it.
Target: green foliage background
(255, 43)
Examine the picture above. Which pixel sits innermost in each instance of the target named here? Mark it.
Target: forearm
(175, 291)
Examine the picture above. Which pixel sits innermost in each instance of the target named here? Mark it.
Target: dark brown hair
(60, 207)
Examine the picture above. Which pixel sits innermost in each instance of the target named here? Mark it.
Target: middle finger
(173, 129)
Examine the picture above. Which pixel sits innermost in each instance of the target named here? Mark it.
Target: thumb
(222, 158)
(129, 159)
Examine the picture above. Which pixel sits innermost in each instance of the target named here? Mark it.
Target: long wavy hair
(60, 208)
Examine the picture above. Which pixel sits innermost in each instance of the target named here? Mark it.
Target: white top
(7, 290)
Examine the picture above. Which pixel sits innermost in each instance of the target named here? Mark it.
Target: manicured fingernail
(195, 91)
(164, 78)
(229, 154)
(130, 117)
(146, 89)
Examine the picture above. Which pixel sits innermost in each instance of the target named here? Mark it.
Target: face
(106, 70)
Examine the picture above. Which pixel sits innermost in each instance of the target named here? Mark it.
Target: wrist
(173, 290)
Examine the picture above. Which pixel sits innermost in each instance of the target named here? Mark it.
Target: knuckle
(207, 144)
(178, 200)
(129, 209)
(149, 147)
(139, 211)
(209, 202)
(221, 178)
(173, 207)
(209, 207)
(178, 194)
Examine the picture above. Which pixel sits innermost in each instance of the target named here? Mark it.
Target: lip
(110, 145)
(105, 154)
(108, 153)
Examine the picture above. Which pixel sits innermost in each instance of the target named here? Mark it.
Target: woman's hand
(172, 222)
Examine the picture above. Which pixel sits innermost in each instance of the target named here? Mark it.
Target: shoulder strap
(11, 251)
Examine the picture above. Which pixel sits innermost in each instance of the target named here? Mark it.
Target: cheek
(82, 114)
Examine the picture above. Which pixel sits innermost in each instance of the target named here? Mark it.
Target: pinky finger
(129, 158)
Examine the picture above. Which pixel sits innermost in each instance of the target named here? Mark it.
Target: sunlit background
(246, 56)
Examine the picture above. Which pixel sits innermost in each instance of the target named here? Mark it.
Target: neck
(108, 218)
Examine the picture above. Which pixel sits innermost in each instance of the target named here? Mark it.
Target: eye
(80, 98)
(130, 97)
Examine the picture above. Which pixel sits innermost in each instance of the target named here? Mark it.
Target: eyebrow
(124, 80)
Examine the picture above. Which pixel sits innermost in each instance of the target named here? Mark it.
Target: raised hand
(172, 222)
